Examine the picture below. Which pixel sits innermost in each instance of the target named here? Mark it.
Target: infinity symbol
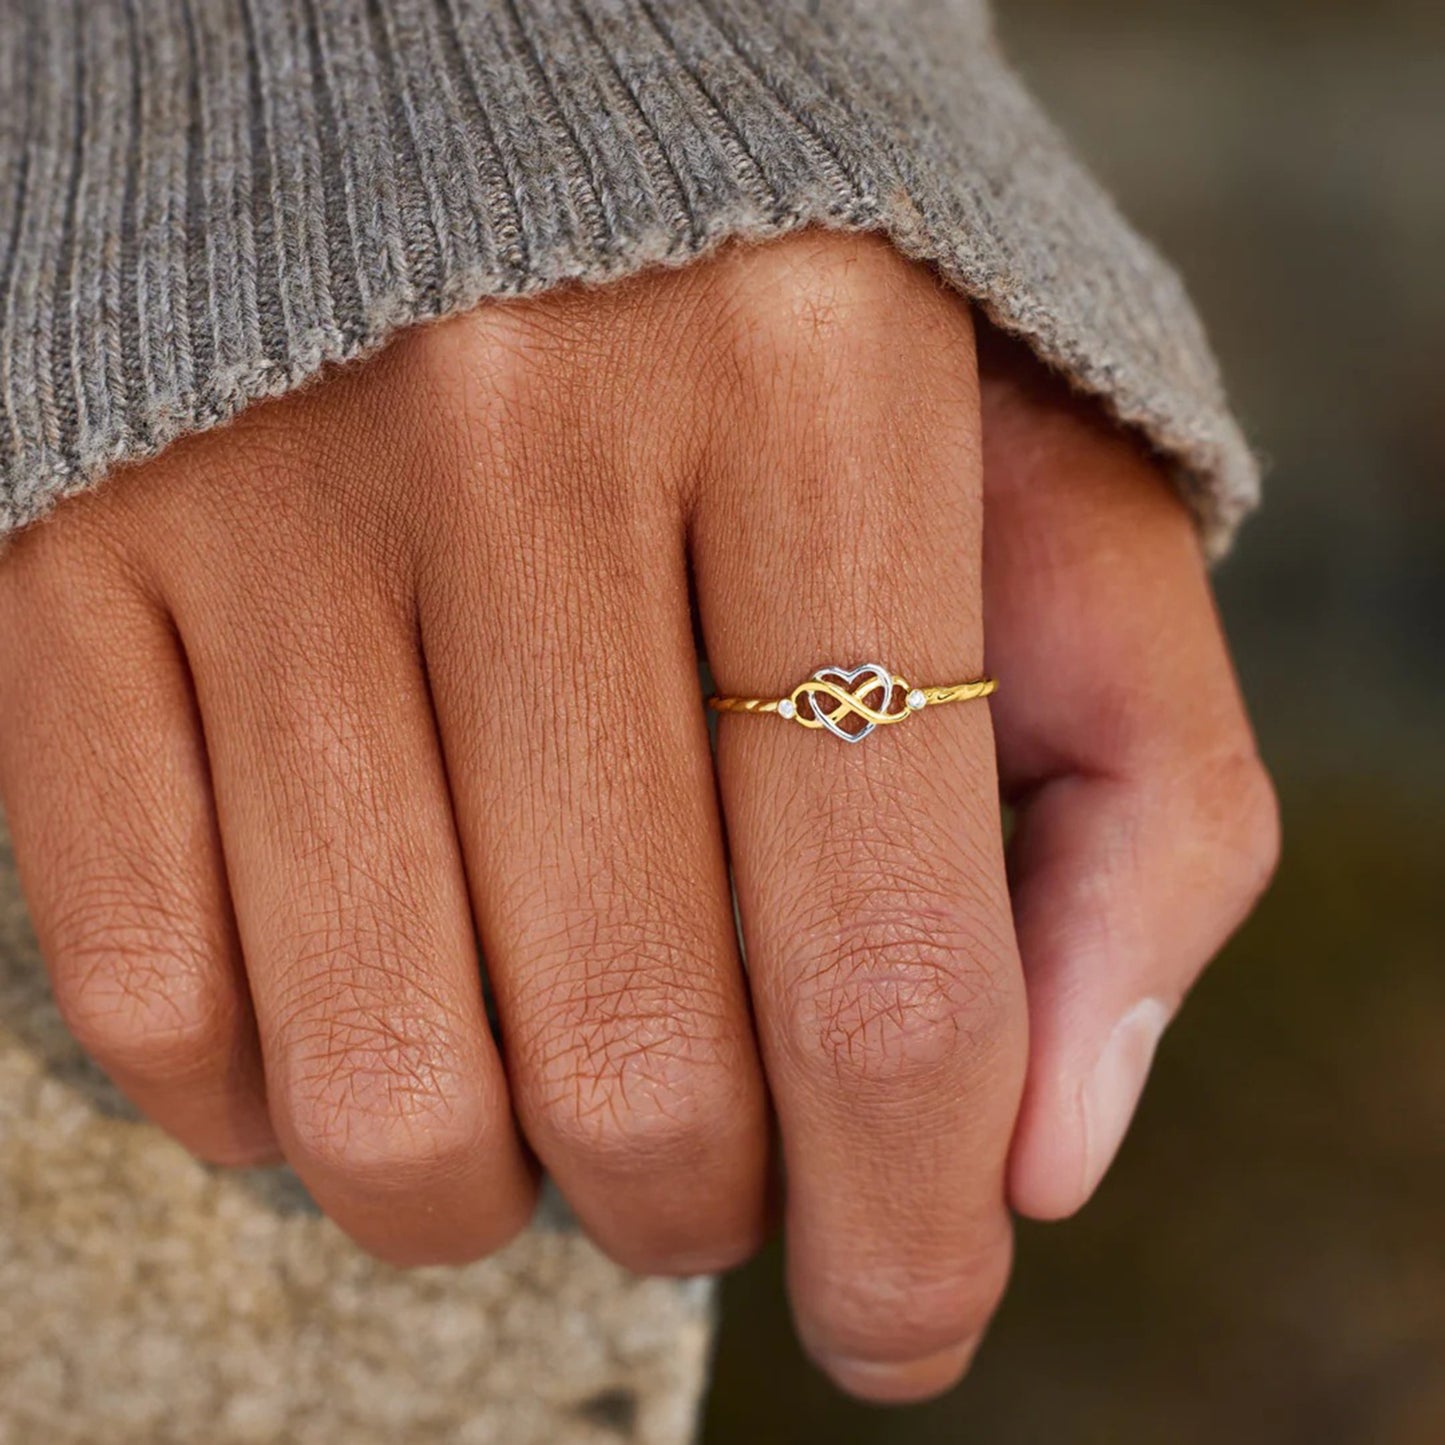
(850, 694)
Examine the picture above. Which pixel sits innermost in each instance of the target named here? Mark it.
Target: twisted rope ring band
(867, 697)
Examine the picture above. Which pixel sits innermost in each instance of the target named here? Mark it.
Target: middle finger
(559, 644)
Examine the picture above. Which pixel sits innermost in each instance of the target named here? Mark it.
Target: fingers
(559, 643)
(841, 526)
(1146, 826)
(386, 1090)
(104, 778)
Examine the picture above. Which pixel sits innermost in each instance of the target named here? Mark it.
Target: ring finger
(870, 878)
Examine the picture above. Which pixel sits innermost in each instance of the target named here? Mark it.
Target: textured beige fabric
(148, 1300)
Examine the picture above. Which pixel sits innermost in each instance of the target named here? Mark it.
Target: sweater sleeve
(202, 202)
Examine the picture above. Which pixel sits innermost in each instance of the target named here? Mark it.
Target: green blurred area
(1267, 1261)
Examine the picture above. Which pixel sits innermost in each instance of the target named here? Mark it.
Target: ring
(851, 702)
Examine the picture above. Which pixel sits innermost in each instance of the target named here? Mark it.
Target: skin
(293, 715)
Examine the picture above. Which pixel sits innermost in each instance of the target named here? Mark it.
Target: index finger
(870, 877)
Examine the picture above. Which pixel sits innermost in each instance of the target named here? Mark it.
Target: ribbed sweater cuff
(204, 201)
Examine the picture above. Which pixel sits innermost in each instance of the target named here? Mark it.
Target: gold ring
(863, 697)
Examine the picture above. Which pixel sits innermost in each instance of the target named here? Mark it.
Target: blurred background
(1267, 1260)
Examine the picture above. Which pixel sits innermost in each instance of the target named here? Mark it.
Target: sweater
(204, 202)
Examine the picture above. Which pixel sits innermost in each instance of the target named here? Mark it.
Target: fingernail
(900, 1384)
(1112, 1092)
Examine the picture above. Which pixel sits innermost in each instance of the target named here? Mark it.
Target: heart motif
(873, 679)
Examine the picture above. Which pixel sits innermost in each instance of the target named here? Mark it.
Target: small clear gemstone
(787, 708)
(916, 699)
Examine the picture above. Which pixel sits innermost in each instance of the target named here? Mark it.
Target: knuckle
(814, 286)
(538, 392)
(85, 538)
(629, 1060)
(1236, 800)
(823, 304)
(794, 323)
(379, 1100)
(136, 996)
(890, 997)
(1259, 837)
(628, 1128)
(506, 367)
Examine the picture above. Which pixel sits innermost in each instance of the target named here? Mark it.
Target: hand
(296, 713)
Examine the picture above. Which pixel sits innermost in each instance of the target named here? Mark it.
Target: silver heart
(880, 678)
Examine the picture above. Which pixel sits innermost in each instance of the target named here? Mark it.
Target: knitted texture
(204, 201)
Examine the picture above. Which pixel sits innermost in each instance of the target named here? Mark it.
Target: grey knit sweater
(204, 201)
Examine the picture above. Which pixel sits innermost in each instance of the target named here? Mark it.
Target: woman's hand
(294, 715)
